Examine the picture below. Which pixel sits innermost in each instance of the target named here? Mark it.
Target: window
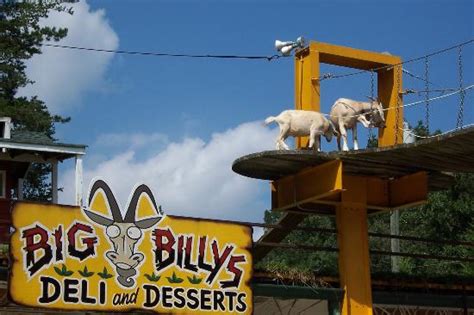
(2, 183)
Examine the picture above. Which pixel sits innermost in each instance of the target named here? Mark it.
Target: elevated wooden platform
(439, 156)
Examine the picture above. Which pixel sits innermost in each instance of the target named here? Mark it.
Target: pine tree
(21, 36)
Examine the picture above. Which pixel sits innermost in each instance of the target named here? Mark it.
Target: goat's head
(376, 115)
(123, 232)
(330, 130)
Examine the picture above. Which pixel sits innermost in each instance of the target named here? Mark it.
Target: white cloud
(191, 177)
(62, 75)
(131, 140)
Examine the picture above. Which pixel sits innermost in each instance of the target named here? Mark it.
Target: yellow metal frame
(324, 184)
(300, 188)
(389, 79)
(352, 196)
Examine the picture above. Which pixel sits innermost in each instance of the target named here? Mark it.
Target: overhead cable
(159, 54)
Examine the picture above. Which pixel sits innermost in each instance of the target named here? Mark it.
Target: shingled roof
(33, 137)
(23, 141)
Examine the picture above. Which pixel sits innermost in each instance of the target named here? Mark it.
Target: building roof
(32, 137)
(29, 142)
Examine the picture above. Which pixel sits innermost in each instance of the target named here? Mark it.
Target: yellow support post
(357, 192)
(307, 95)
(353, 241)
(389, 92)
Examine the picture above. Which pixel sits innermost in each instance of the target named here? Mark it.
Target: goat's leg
(343, 131)
(284, 129)
(354, 137)
(314, 139)
(364, 121)
(317, 143)
(339, 142)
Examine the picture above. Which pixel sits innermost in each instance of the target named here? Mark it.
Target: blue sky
(151, 107)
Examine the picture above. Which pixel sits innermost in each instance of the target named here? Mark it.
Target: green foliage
(447, 216)
(36, 186)
(63, 271)
(373, 141)
(422, 131)
(21, 36)
(301, 260)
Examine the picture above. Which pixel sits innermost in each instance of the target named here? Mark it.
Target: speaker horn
(286, 47)
(279, 45)
(286, 50)
(300, 42)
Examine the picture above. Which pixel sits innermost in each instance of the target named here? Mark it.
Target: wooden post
(395, 242)
(54, 181)
(78, 177)
(20, 188)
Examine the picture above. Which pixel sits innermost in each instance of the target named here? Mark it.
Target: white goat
(300, 123)
(345, 114)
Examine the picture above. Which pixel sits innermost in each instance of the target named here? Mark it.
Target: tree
(309, 262)
(21, 36)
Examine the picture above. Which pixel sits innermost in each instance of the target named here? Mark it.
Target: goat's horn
(132, 207)
(114, 208)
(371, 98)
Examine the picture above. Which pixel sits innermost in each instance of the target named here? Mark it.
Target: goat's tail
(269, 120)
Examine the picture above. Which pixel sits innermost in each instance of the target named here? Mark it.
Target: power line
(436, 135)
(438, 97)
(411, 74)
(463, 90)
(412, 91)
(158, 54)
(249, 57)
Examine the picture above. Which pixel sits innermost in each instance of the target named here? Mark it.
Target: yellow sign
(98, 258)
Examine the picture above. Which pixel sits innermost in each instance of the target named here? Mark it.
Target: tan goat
(345, 114)
(300, 123)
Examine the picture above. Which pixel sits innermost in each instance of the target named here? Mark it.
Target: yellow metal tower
(351, 211)
(389, 79)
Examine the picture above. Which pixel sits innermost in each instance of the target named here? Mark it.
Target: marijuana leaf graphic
(63, 271)
(104, 274)
(85, 273)
(152, 277)
(194, 280)
(174, 279)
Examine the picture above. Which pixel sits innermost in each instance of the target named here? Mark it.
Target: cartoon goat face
(123, 233)
(124, 237)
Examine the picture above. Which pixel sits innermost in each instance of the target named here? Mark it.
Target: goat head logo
(123, 232)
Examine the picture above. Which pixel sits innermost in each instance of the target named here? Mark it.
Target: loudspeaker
(279, 44)
(286, 47)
